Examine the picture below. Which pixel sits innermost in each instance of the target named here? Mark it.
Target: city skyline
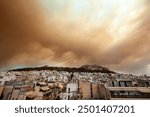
(110, 33)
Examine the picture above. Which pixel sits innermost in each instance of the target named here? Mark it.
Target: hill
(84, 68)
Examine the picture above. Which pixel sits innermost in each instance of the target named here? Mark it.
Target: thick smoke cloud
(131, 55)
(31, 35)
(20, 26)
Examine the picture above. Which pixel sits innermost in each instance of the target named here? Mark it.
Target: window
(128, 83)
(115, 84)
(1, 77)
(68, 97)
(68, 90)
(121, 84)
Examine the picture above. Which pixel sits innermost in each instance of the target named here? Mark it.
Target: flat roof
(139, 89)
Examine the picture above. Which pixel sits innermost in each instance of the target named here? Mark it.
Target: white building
(71, 91)
(6, 76)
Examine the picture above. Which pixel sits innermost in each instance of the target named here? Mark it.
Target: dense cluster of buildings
(64, 85)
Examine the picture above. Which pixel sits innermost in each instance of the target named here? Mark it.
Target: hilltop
(84, 68)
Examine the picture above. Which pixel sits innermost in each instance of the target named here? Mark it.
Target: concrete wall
(15, 95)
(95, 91)
(102, 91)
(72, 87)
(85, 89)
(7, 92)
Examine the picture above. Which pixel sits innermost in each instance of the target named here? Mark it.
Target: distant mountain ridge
(94, 67)
(84, 68)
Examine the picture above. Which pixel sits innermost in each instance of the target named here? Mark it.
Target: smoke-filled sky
(112, 33)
